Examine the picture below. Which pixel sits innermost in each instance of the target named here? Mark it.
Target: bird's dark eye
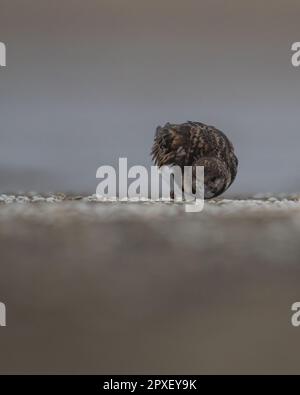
(214, 179)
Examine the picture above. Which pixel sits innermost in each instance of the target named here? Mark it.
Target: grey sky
(88, 82)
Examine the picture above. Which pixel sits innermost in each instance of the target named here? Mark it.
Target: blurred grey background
(88, 82)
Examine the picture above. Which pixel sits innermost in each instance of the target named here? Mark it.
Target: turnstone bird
(197, 144)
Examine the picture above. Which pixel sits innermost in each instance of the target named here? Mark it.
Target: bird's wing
(171, 144)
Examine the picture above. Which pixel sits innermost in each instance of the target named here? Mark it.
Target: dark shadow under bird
(196, 144)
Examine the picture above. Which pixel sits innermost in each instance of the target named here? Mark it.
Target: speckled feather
(194, 143)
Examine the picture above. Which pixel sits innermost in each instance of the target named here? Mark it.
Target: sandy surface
(141, 287)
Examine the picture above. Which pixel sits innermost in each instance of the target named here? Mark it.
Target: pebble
(217, 206)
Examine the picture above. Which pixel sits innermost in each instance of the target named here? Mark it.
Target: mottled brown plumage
(197, 144)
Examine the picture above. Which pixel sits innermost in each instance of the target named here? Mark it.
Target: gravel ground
(95, 286)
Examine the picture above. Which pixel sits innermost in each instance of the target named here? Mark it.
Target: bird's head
(217, 176)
